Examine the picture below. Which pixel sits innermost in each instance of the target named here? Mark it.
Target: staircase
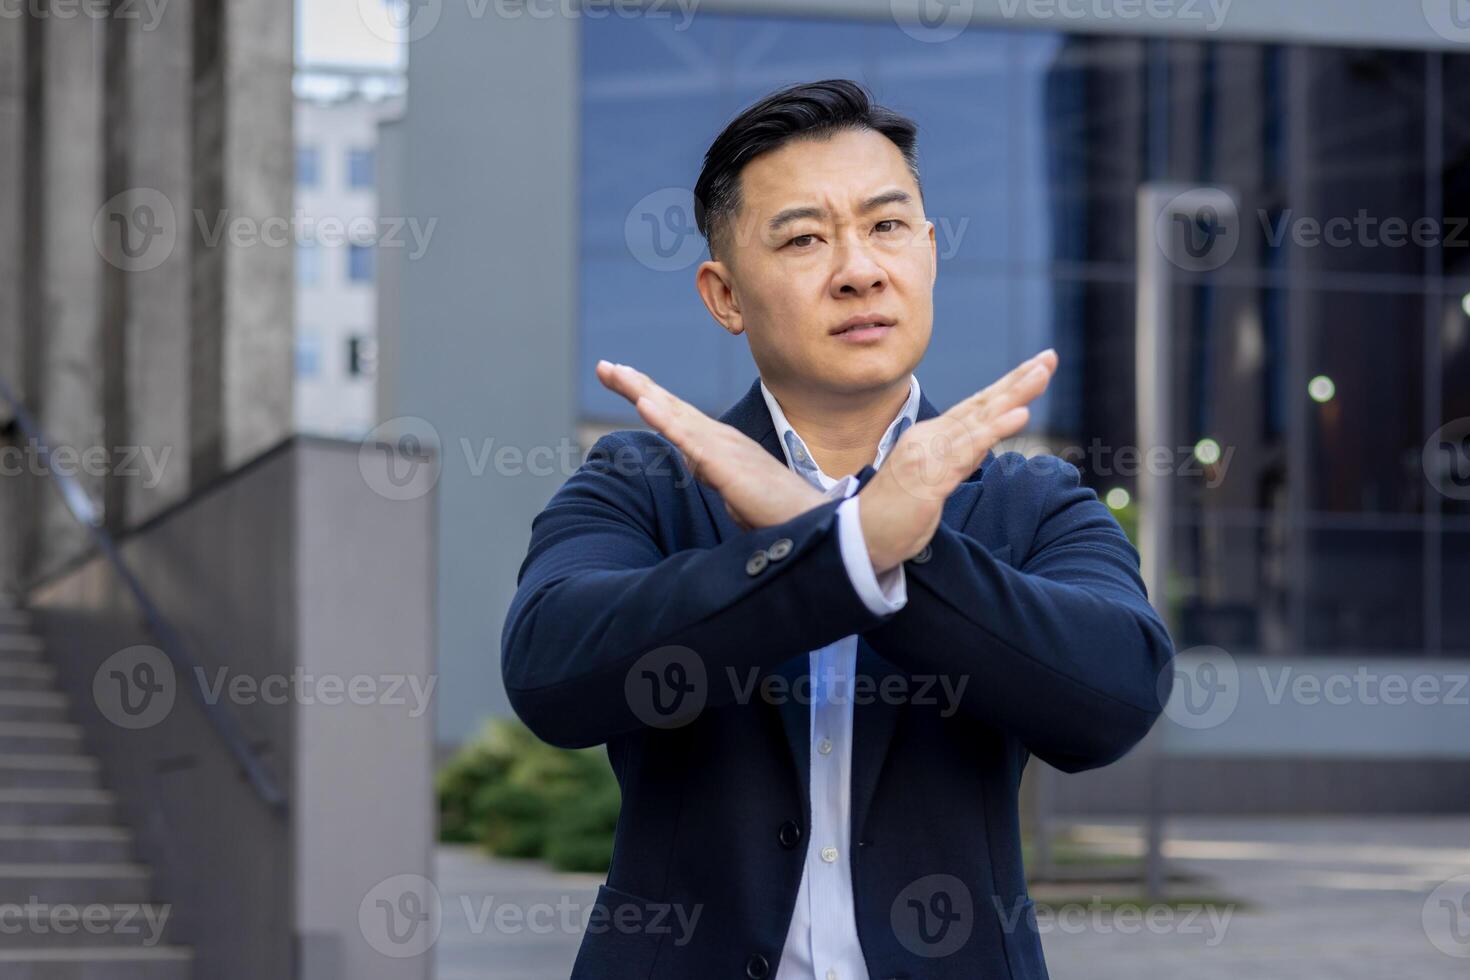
(74, 905)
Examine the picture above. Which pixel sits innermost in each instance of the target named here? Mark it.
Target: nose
(857, 273)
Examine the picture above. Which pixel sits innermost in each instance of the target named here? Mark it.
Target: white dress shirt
(822, 941)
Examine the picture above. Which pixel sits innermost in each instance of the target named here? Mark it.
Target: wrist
(883, 552)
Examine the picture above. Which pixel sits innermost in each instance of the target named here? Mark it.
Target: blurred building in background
(338, 111)
(1312, 530)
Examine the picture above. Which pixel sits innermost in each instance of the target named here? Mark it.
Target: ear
(717, 289)
(933, 255)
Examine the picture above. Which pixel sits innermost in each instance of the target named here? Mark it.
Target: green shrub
(519, 797)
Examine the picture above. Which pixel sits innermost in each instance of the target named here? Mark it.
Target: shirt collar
(800, 460)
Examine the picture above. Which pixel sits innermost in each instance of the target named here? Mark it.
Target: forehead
(838, 170)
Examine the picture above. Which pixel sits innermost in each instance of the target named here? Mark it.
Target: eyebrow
(789, 215)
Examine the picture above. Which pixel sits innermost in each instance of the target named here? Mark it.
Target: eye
(888, 224)
(802, 241)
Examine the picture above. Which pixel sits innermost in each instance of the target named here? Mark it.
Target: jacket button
(924, 555)
(757, 967)
(756, 563)
(789, 835)
(779, 549)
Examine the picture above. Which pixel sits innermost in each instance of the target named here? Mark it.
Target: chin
(867, 374)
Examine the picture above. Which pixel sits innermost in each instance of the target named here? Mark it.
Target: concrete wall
(129, 135)
(293, 579)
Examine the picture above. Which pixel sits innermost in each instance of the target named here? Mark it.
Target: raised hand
(901, 505)
(758, 489)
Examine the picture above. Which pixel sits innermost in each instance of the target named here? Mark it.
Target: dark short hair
(810, 110)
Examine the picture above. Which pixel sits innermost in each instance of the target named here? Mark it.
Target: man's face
(828, 231)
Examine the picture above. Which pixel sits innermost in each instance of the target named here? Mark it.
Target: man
(822, 635)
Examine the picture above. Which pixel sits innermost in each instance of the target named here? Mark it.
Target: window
(360, 263)
(308, 354)
(308, 166)
(360, 169)
(308, 264)
(362, 357)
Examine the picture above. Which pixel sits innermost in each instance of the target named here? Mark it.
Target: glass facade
(1316, 510)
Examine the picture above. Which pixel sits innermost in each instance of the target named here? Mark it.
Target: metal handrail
(170, 641)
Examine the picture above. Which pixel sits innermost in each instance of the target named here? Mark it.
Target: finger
(1047, 359)
(1000, 419)
(629, 382)
(1008, 424)
(1020, 390)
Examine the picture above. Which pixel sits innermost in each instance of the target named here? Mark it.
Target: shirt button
(829, 854)
(825, 746)
(831, 975)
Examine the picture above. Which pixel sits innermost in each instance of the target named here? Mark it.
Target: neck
(841, 432)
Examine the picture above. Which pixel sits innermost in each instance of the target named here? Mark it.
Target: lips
(861, 321)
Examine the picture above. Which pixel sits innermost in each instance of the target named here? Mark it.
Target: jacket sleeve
(1062, 651)
(599, 602)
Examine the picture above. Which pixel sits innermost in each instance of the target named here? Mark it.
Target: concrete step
(77, 884)
(26, 737)
(54, 770)
(33, 925)
(27, 675)
(56, 806)
(20, 643)
(48, 706)
(14, 619)
(82, 843)
(98, 963)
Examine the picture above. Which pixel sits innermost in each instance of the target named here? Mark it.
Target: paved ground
(1329, 899)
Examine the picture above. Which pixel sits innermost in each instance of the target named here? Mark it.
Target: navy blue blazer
(645, 619)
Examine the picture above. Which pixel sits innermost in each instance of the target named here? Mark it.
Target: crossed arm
(1063, 651)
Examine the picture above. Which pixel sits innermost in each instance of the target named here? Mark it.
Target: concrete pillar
(68, 391)
(154, 126)
(240, 374)
(257, 106)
